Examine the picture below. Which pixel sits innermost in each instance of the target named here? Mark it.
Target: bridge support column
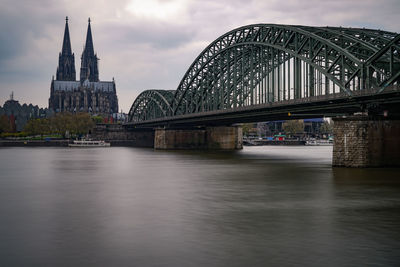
(217, 138)
(118, 135)
(362, 141)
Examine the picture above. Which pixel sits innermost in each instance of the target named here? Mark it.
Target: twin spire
(89, 41)
(66, 48)
(89, 60)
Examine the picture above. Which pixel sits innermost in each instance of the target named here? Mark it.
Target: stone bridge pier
(362, 141)
(118, 135)
(218, 138)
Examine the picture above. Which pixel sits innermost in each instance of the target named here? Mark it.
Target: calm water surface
(262, 206)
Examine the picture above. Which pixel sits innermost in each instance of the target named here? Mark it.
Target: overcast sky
(147, 44)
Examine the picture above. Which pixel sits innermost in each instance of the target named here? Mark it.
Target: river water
(262, 206)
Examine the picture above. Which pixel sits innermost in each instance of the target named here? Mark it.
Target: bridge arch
(151, 104)
(281, 62)
(264, 63)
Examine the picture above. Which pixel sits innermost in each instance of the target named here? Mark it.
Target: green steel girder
(226, 80)
(151, 104)
(336, 81)
(263, 63)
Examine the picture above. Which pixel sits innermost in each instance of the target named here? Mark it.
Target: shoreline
(132, 143)
(274, 143)
(34, 143)
(60, 143)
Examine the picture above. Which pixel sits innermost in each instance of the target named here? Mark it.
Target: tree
(292, 127)
(37, 126)
(326, 127)
(83, 123)
(246, 128)
(4, 124)
(61, 123)
(98, 119)
(32, 127)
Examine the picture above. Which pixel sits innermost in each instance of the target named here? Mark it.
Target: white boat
(318, 143)
(89, 143)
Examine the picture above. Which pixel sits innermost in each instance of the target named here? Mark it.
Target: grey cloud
(156, 35)
(147, 53)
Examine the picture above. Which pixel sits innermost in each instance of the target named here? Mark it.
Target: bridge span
(267, 72)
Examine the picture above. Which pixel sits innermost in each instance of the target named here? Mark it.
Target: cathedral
(89, 94)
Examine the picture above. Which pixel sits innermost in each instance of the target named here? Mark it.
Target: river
(262, 206)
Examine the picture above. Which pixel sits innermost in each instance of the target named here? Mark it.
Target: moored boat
(319, 143)
(89, 143)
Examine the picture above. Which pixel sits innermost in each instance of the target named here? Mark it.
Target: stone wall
(361, 141)
(117, 134)
(179, 139)
(219, 138)
(226, 138)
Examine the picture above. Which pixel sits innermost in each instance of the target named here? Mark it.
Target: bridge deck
(318, 106)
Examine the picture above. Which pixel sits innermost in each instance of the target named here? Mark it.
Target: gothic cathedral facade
(89, 94)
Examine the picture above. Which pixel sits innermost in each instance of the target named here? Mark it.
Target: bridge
(268, 72)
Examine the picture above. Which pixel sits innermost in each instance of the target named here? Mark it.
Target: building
(88, 94)
(312, 126)
(17, 115)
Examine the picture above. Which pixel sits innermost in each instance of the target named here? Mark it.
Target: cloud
(149, 44)
(156, 35)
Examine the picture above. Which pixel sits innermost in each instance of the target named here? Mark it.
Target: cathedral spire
(66, 60)
(89, 41)
(89, 66)
(66, 48)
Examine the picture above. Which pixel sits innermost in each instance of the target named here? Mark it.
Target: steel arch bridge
(152, 104)
(270, 66)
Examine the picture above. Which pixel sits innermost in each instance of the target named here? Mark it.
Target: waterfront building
(88, 94)
(17, 115)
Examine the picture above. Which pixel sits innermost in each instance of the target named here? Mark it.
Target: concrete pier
(362, 141)
(217, 138)
(118, 135)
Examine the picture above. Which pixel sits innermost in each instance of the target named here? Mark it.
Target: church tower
(88, 94)
(89, 66)
(66, 60)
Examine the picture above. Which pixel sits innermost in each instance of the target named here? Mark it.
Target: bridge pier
(218, 138)
(362, 141)
(118, 135)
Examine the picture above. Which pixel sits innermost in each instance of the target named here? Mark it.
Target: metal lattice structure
(152, 104)
(266, 63)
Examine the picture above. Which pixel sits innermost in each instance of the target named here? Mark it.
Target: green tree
(326, 127)
(84, 123)
(61, 123)
(32, 127)
(292, 127)
(98, 119)
(246, 128)
(4, 124)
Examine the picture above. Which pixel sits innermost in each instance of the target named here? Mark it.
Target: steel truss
(264, 63)
(151, 104)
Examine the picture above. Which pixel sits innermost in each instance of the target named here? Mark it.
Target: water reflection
(139, 207)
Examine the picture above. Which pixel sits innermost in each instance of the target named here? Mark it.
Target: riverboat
(319, 143)
(89, 143)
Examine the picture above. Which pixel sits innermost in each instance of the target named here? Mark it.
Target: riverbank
(36, 143)
(256, 142)
(60, 143)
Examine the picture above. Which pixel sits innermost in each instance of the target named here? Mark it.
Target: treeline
(5, 125)
(61, 123)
